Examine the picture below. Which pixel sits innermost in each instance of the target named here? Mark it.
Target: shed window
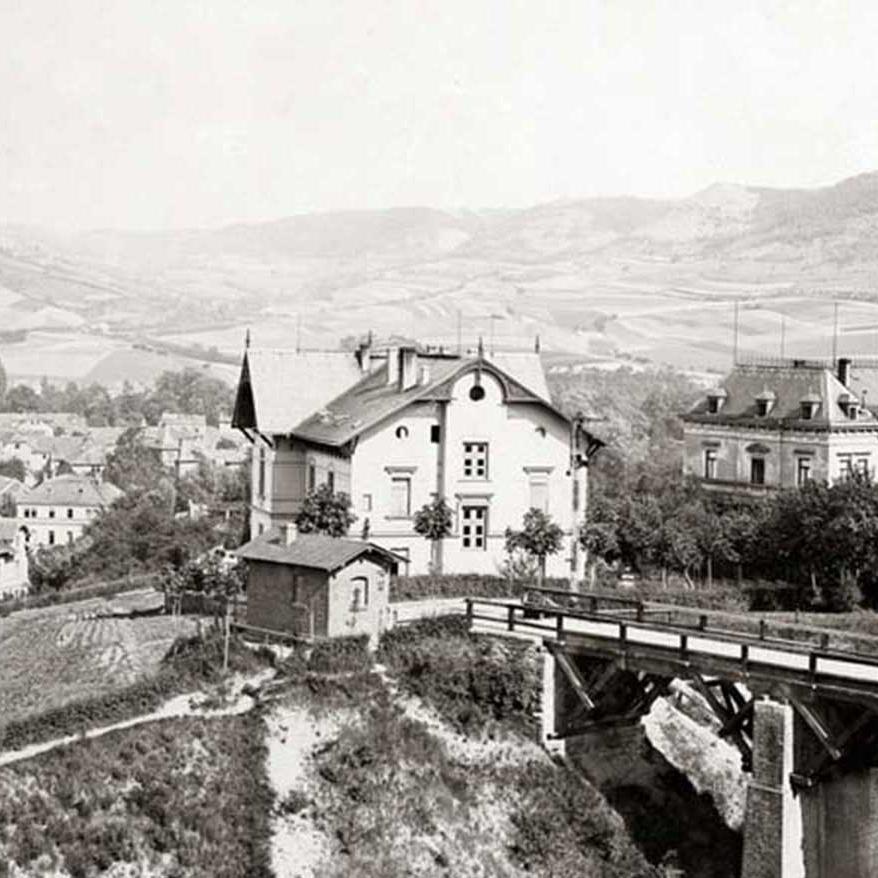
(51, 538)
(360, 592)
(330, 481)
(403, 552)
(70, 513)
(435, 433)
(312, 477)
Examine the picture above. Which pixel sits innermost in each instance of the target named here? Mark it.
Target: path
(175, 708)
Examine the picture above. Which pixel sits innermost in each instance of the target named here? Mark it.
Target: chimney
(844, 370)
(364, 357)
(289, 531)
(408, 368)
(392, 366)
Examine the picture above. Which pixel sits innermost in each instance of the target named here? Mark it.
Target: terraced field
(49, 658)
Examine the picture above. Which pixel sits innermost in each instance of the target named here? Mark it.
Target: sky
(159, 114)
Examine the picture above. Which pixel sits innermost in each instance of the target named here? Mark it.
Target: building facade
(58, 511)
(781, 425)
(480, 432)
(13, 559)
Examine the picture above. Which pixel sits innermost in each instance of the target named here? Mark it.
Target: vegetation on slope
(186, 797)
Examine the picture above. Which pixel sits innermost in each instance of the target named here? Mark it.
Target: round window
(476, 392)
(402, 432)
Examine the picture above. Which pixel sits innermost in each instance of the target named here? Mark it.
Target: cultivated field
(51, 657)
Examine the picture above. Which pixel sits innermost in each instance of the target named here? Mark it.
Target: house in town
(398, 427)
(10, 489)
(315, 586)
(58, 510)
(13, 559)
(781, 424)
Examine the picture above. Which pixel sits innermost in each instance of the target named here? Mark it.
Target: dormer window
(849, 405)
(808, 406)
(765, 402)
(715, 400)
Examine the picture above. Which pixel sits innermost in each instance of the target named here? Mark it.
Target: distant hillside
(602, 278)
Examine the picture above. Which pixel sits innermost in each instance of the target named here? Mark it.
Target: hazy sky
(166, 113)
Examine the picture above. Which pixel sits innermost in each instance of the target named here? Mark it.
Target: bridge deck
(762, 662)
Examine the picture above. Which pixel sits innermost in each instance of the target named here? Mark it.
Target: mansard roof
(72, 490)
(787, 386)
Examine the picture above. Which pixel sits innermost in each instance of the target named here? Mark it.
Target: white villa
(398, 427)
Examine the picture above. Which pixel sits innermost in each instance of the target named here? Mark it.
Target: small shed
(316, 586)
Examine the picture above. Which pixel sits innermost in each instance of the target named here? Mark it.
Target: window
(435, 433)
(261, 476)
(803, 470)
(539, 494)
(757, 470)
(762, 407)
(402, 432)
(710, 463)
(70, 513)
(400, 496)
(713, 404)
(51, 513)
(260, 529)
(475, 460)
(367, 503)
(360, 590)
(330, 481)
(861, 465)
(477, 393)
(312, 477)
(69, 537)
(474, 530)
(51, 538)
(295, 588)
(807, 411)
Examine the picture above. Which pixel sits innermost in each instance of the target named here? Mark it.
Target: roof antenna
(481, 350)
(298, 333)
(247, 340)
(835, 332)
(735, 338)
(537, 344)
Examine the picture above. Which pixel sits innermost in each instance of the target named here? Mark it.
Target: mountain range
(601, 278)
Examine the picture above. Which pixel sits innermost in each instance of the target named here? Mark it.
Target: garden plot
(50, 659)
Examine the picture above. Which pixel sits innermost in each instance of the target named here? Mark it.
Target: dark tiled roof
(789, 386)
(372, 399)
(312, 550)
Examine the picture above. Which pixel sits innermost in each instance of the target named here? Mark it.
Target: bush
(340, 654)
(413, 588)
(471, 681)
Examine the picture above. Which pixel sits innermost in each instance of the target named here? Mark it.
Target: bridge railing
(749, 652)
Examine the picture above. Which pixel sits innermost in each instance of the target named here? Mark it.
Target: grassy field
(54, 656)
(185, 797)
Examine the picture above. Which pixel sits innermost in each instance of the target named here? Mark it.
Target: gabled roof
(72, 490)
(372, 399)
(316, 551)
(788, 386)
(278, 389)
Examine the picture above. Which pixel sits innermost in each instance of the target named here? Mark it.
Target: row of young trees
(189, 391)
(821, 538)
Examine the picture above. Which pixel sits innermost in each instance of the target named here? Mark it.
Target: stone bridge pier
(812, 796)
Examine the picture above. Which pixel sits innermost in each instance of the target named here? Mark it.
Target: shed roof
(316, 551)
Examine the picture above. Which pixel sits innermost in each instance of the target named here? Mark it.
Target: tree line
(188, 391)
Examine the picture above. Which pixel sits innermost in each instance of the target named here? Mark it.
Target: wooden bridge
(618, 654)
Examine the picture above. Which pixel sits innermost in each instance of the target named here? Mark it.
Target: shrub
(340, 654)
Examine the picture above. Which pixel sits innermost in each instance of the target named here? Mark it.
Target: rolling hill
(603, 278)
